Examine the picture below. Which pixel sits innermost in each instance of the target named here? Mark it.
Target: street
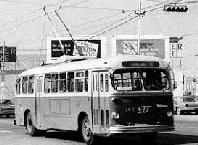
(186, 134)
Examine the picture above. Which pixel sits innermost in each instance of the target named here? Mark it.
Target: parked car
(187, 104)
(7, 108)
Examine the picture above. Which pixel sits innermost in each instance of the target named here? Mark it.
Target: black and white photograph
(99, 72)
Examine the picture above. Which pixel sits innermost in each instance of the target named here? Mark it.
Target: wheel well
(25, 116)
(80, 117)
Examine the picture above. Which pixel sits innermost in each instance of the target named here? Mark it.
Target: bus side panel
(62, 112)
(23, 104)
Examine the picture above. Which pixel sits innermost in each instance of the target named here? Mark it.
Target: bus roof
(99, 63)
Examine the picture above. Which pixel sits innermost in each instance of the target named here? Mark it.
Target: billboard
(151, 45)
(9, 54)
(57, 47)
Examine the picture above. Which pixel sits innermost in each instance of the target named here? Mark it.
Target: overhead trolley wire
(109, 26)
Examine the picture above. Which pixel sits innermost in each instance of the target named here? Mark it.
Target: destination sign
(140, 64)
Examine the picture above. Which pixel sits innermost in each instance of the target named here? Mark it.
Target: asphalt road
(186, 134)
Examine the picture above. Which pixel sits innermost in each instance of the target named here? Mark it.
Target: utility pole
(140, 14)
(2, 73)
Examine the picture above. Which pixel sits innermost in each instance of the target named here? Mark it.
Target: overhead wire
(103, 28)
(74, 26)
(31, 3)
(28, 16)
(122, 23)
(39, 37)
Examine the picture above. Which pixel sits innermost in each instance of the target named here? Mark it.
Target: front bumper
(141, 128)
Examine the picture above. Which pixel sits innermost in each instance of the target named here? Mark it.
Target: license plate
(143, 109)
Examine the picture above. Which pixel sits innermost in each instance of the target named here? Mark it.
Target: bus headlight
(169, 113)
(115, 115)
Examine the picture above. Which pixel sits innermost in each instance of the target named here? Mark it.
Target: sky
(26, 25)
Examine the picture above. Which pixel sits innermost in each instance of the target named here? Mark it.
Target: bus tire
(85, 131)
(31, 129)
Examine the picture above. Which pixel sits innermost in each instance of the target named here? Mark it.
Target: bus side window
(62, 82)
(24, 85)
(70, 81)
(79, 81)
(106, 83)
(47, 83)
(93, 82)
(31, 85)
(18, 86)
(101, 83)
(86, 81)
(54, 83)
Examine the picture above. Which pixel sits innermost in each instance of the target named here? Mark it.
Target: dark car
(187, 104)
(7, 108)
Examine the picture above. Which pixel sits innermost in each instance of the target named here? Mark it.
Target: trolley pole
(140, 14)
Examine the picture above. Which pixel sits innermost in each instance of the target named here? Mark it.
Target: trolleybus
(120, 95)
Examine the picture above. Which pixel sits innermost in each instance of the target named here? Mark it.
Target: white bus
(125, 94)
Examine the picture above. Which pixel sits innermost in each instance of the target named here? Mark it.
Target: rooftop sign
(9, 54)
(151, 45)
(79, 47)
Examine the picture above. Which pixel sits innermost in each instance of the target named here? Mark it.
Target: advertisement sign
(86, 49)
(149, 45)
(83, 47)
(9, 54)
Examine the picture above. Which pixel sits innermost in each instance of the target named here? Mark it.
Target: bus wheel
(31, 129)
(86, 132)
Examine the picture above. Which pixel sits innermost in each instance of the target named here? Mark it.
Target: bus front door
(38, 105)
(100, 115)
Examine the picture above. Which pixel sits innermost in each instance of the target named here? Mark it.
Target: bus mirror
(174, 85)
(111, 75)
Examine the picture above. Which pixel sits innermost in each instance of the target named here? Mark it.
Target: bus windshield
(141, 79)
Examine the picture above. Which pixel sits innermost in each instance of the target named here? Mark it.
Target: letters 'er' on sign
(9, 54)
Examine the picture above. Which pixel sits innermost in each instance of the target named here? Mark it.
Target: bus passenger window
(102, 118)
(31, 85)
(54, 83)
(62, 82)
(93, 83)
(79, 80)
(96, 82)
(47, 83)
(101, 83)
(106, 83)
(70, 81)
(24, 85)
(18, 86)
(86, 81)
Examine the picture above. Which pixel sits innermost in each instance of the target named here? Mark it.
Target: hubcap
(29, 125)
(86, 128)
